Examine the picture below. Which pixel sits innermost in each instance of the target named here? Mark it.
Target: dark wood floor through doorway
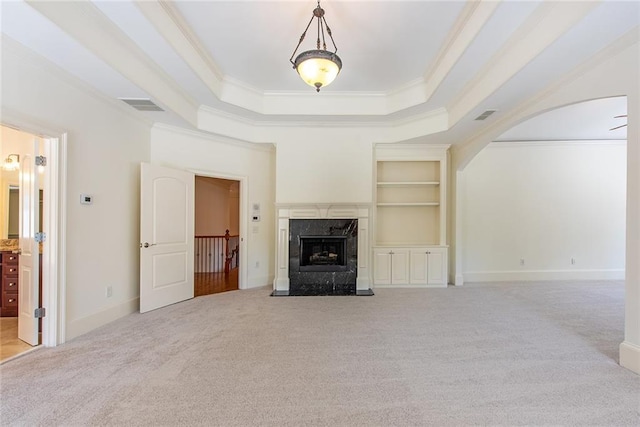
(213, 283)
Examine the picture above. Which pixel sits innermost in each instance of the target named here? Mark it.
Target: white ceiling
(407, 57)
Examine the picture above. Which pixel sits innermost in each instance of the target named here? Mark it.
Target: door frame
(53, 296)
(242, 220)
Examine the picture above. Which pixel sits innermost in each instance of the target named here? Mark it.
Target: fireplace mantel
(287, 211)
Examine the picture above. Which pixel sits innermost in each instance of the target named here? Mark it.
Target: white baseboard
(630, 356)
(407, 286)
(81, 326)
(281, 284)
(533, 275)
(363, 283)
(258, 282)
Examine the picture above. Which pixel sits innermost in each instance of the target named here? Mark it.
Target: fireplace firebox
(323, 253)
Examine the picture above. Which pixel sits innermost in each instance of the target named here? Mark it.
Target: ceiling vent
(142, 104)
(485, 114)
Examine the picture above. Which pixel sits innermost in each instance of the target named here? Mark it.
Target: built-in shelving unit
(410, 215)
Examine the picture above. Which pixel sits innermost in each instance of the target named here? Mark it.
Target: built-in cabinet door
(416, 266)
(381, 266)
(400, 267)
(419, 267)
(428, 266)
(437, 267)
(391, 266)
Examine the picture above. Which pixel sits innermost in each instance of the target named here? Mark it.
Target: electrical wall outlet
(573, 261)
(257, 264)
(521, 261)
(109, 291)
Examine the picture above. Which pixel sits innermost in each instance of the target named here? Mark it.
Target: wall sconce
(12, 162)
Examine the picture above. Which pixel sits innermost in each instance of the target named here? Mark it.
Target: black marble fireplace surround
(323, 256)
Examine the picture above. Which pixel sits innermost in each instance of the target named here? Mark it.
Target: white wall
(219, 157)
(105, 148)
(324, 166)
(545, 203)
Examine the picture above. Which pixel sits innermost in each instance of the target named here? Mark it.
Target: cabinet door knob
(12, 299)
(11, 284)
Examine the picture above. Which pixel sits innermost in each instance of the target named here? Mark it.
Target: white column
(363, 279)
(459, 258)
(281, 281)
(630, 348)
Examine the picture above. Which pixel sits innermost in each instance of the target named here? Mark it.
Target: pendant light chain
(301, 39)
(318, 13)
(335, 48)
(319, 67)
(320, 28)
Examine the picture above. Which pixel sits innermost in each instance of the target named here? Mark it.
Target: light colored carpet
(491, 354)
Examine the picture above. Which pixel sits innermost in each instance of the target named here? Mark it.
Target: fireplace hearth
(323, 256)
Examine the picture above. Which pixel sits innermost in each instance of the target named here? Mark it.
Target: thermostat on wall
(255, 216)
(86, 199)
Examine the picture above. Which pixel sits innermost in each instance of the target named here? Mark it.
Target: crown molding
(471, 20)
(410, 146)
(86, 24)
(300, 103)
(557, 143)
(221, 139)
(235, 126)
(543, 27)
(520, 112)
(28, 56)
(170, 24)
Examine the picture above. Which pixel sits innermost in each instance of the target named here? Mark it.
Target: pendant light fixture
(317, 67)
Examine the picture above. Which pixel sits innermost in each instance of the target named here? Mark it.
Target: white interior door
(166, 236)
(28, 295)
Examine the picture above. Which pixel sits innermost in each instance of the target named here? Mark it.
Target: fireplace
(322, 249)
(323, 256)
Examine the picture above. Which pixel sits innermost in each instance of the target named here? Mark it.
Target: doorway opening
(217, 235)
(21, 219)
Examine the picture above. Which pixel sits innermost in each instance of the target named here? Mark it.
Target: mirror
(13, 212)
(13, 226)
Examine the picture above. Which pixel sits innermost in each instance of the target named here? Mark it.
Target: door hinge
(39, 313)
(40, 237)
(41, 161)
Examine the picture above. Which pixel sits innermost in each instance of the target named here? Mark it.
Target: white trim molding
(287, 211)
(630, 356)
(535, 275)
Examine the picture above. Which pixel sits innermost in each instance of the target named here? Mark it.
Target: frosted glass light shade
(12, 162)
(318, 68)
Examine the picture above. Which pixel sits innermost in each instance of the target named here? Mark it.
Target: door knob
(146, 245)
